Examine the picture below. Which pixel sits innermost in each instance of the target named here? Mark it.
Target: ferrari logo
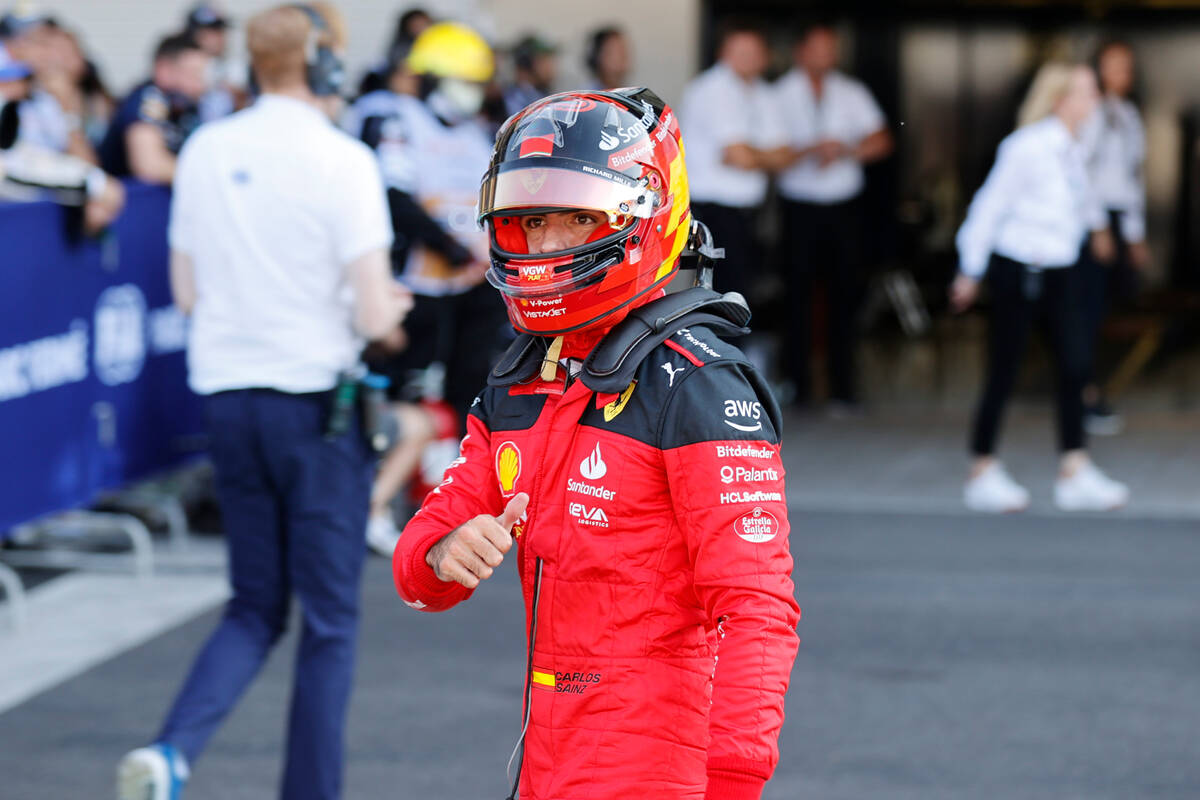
(533, 179)
(617, 406)
(508, 467)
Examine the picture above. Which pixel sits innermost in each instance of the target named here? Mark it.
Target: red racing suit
(655, 567)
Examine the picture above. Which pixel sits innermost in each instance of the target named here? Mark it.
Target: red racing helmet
(617, 153)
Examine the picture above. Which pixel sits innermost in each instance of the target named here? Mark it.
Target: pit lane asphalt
(942, 656)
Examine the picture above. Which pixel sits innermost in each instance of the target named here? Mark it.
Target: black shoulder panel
(677, 395)
(724, 400)
(501, 411)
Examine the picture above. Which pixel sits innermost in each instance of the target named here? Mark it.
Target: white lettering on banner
(587, 515)
(730, 498)
(743, 451)
(120, 334)
(44, 363)
(757, 526)
(168, 330)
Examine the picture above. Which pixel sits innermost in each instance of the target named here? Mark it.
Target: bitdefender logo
(593, 467)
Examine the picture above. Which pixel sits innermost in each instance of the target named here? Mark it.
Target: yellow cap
(451, 50)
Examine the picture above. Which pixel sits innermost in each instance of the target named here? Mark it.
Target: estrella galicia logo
(120, 334)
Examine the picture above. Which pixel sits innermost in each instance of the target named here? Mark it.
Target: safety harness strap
(611, 365)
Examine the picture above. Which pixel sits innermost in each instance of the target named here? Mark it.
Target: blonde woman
(1024, 232)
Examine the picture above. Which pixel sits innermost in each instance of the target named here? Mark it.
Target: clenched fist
(470, 552)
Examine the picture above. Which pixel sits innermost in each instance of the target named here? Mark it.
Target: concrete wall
(120, 34)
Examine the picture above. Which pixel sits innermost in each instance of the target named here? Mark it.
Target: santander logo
(593, 467)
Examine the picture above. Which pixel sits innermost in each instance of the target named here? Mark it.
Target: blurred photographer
(279, 251)
(28, 170)
(153, 121)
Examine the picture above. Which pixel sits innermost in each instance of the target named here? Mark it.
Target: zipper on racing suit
(518, 753)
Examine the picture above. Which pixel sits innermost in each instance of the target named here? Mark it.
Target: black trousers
(466, 332)
(1106, 285)
(823, 243)
(1021, 297)
(733, 229)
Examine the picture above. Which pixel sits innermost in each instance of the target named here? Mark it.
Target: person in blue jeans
(279, 238)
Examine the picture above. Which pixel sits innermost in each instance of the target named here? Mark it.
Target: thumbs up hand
(471, 552)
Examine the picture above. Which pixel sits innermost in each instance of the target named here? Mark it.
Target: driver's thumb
(513, 511)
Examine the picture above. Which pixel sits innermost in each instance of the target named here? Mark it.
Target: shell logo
(508, 467)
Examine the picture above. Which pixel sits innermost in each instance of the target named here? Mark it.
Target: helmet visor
(558, 183)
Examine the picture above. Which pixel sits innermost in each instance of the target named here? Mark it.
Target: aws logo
(749, 412)
(508, 468)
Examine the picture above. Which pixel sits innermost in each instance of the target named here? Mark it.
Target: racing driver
(653, 554)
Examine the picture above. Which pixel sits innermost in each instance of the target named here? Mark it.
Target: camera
(10, 118)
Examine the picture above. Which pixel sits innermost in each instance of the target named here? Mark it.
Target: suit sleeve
(468, 489)
(990, 206)
(720, 440)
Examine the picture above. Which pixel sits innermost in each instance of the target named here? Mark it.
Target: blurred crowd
(429, 108)
(795, 147)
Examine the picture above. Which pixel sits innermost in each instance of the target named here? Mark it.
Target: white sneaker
(995, 492)
(157, 772)
(382, 534)
(1089, 489)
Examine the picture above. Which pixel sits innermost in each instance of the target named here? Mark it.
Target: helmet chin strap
(550, 363)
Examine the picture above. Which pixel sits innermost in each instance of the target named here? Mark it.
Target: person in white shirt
(1024, 231)
(834, 127)
(279, 237)
(734, 139)
(1118, 151)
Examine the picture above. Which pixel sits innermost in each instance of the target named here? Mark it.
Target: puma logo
(671, 373)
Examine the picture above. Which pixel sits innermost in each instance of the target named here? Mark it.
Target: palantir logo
(593, 467)
(120, 334)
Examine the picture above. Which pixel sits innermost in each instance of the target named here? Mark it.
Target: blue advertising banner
(93, 379)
